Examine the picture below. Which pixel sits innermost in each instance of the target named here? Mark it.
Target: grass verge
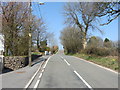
(109, 62)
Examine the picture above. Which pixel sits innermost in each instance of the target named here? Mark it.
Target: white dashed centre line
(38, 81)
(40, 76)
(36, 85)
(83, 80)
(79, 75)
(67, 62)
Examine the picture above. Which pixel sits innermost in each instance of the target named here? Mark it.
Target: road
(19, 78)
(62, 71)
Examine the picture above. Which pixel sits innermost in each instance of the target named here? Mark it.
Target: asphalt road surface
(62, 71)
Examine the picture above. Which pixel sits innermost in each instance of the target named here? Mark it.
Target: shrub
(97, 51)
(103, 52)
(114, 52)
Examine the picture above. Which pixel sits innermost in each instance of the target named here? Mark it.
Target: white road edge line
(98, 65)
(36, 85)
(46, 62)
(83, 80)
(40, 75)
(32, 77)
(67, 62)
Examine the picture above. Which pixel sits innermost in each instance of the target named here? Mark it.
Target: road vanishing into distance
(63, 71)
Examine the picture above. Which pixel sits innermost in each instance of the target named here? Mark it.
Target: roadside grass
(110, 62)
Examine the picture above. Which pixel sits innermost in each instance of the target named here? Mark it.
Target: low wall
(15, 62)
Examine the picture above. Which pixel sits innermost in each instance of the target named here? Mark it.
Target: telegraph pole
(30, 37)
(30, 33)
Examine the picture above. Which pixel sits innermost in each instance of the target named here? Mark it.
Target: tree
(54, 49)
(106, 40)
(39, 31)
(51, 40)
(110, 10)
(71, 39)
(85, 15)
(17, 21)
(43, 45)
(107, 43)
(82, 15)
(95, 42)
(14, 17)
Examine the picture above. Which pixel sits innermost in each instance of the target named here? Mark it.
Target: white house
(1, 51)
(1, 44)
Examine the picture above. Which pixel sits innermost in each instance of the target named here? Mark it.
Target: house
(1, 50)
(1, 44)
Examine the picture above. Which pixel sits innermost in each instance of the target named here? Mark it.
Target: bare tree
(51, 40)
(71, 39)
(82, 15)
(39, 31)
(110, 10)
(15, 24)
(86, 14)
(95, 41)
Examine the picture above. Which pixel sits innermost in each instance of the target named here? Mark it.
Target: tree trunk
(84, 42)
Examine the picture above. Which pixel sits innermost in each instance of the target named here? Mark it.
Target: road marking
(42, 70)
(33, 77)
(30, 81)
(98, 65)
(36, 85)
(83, 80)
(61, 57)
(67, 62)
(46, 62)
(40, 75)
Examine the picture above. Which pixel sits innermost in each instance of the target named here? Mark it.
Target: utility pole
(30, 37)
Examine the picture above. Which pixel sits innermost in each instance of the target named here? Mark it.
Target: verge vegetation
(108, 61)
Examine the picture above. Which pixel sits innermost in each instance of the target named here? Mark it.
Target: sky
(52, 14)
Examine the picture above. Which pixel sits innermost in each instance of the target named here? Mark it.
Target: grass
(110, 62)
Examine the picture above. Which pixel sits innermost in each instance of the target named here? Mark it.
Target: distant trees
(51, 40)
(71, 39)
(54, 49)
(43, 46)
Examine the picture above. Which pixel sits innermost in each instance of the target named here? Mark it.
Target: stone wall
(15, 62)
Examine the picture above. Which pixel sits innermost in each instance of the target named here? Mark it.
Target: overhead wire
(37, 7)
